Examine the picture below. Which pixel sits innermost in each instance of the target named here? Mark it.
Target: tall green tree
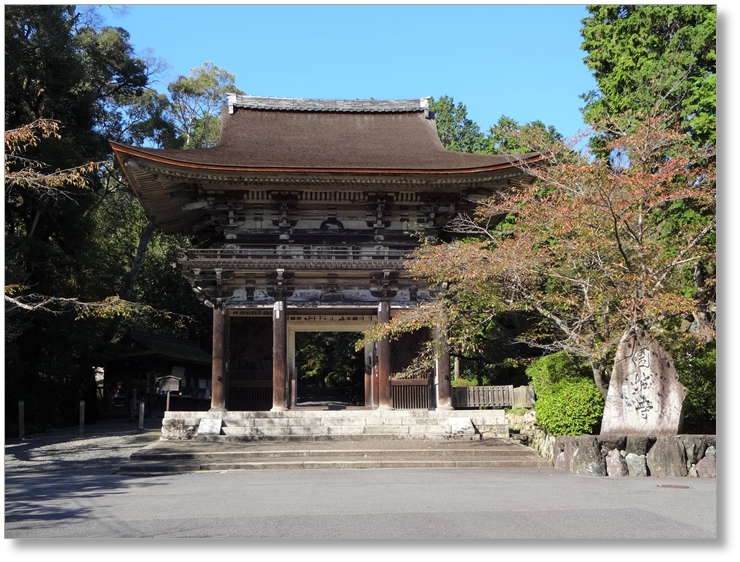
(197, 101)
(648, 58)
(456, 131)
(81, 78)
(505, 136)
(459, 133)
(71, 224)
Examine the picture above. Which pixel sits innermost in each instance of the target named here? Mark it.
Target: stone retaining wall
(621, 455)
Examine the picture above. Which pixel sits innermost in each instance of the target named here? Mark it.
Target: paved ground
(103, 445)
(60, 485)
(357, 504)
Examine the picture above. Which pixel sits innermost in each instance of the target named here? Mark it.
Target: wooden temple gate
(305, 208)
(248, 370)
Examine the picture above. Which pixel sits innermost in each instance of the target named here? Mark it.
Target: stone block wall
(665, 456)
(621, 455)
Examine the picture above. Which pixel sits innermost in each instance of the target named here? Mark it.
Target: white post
(141, 415)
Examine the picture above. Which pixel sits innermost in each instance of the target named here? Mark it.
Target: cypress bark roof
(357, 136)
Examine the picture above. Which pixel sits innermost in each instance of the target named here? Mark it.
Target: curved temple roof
(264, 134)
(273, 144)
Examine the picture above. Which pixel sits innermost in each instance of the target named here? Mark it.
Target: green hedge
(568, 402)
(548, 370)
(571, 406)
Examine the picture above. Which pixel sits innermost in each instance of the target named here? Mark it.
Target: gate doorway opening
(332, 335)
(329, 372)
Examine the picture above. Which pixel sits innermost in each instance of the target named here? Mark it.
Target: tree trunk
(35, 222)
(703, 324)
(133, 275)
(600, 376)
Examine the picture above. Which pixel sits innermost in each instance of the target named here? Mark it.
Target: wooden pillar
(218, 373)
(279, 357)
(385, 401)
(444, 385)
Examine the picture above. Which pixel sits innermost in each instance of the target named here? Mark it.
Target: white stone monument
(644, 396)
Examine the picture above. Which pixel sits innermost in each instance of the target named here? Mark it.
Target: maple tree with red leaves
(587, 252)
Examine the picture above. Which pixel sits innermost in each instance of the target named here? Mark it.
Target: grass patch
(516, 411)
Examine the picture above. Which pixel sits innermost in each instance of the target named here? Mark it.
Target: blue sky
(521, 61)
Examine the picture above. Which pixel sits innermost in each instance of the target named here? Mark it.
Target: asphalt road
(358, 504)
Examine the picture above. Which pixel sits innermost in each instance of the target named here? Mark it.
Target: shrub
(696, 365)
(548, 370)
(571, 406)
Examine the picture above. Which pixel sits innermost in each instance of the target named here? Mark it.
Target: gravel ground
(104, 445)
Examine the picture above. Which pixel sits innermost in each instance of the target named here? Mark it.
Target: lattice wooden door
(250, 365)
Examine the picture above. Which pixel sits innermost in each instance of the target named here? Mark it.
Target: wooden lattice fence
(483, 396)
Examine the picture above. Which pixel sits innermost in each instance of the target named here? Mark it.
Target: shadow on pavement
(33, 498)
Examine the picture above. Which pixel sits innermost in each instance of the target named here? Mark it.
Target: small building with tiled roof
(140, 359)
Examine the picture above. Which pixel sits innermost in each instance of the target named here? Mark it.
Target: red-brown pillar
(218, 372)
(279, 357)
(385, 401)
(444, 385)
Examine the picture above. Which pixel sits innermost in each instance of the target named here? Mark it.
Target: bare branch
(680, 257)
(463, 224)
(111, 306)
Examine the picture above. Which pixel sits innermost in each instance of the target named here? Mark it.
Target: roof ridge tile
(327, 105)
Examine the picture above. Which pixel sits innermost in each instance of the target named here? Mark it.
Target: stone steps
(335, 431)
(316, 439)
(326, 425)
(200, 456)
(330, 464)
(513, 451)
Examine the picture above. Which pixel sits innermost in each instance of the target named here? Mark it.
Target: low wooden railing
(299, 253)
(483, 396)
(410, 394)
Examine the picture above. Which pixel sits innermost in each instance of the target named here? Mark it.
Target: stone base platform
(318, 425)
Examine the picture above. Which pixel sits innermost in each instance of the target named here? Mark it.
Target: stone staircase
(188, 456)
(304, 424)
(318, 438)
